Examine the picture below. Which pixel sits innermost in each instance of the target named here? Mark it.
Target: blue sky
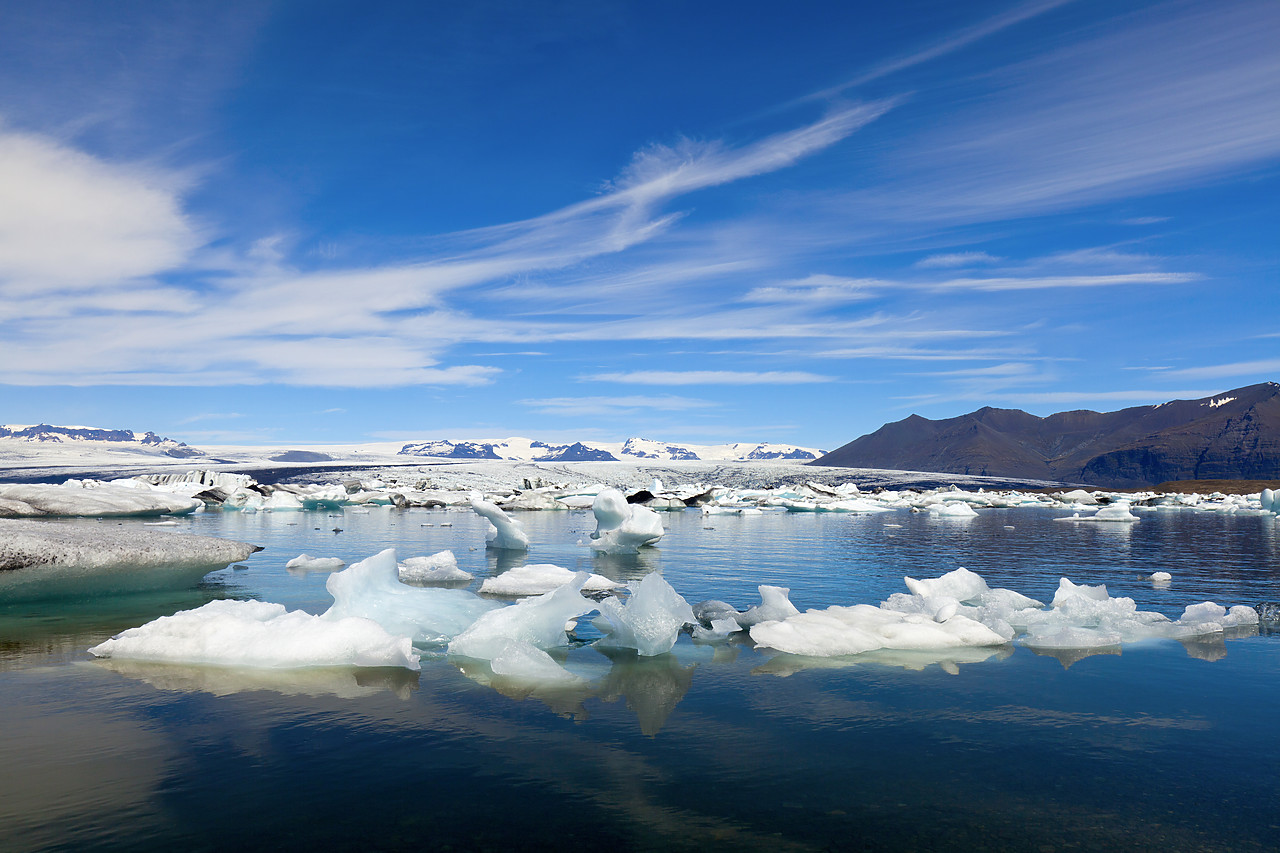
(329, 221)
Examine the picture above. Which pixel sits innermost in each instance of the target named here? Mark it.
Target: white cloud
(1269, 368)
(69, 220)
(612, 406)
(710, 377)
(957, 259)
(819, 287)
(1064, 281)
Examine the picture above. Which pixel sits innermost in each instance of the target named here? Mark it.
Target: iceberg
(90, 499)
(260, 634)
(775, 605)
(650, 621)
(371, 589)
(504, 534)
(537, 622)
(622, 528)
(304, 563)
(862, 628)
(437, 568)
(48, 560)
(539, 578)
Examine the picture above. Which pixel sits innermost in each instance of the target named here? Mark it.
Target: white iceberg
(622, 528)
(863, 627)
(260, 634)
(504, 534)
(650, 621)
(538, 578)
(775, 605)
(441, 567)
(308, 563)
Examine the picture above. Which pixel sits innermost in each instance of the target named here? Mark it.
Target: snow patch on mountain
(117, 438)
(518, 449)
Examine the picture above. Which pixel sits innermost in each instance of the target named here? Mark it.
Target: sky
(324, 222)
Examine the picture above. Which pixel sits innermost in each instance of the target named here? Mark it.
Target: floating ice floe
(89, 499)
(45, 559)
(649, 622)
(953, 509)
(504, 534)
(622, 528)
(371, 589)
(515, 639)
(441, 567)
(540, 578)
(307, 563)
(260, 634)
(959, 609)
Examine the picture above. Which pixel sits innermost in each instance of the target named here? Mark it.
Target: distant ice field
(1163, 745)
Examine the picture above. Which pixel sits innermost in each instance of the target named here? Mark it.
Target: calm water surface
(1163, 747)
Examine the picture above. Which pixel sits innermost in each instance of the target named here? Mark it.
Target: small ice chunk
(437, 568)
(1116, 512)
(775, 605)
(504, 534)
(622, 528)
(1161, 576)
(650, 621)
(308, 563)
(260, 634)
(1067, 589)
(953, 509)
(538, 578)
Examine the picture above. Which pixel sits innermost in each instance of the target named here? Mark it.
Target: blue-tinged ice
(371, 589)
(538, 622)
(650, 621)
(504, 533)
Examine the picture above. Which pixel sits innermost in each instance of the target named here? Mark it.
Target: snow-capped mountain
(529, 450)
(114, 438)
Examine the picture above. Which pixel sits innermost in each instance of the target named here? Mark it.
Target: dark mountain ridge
(1229, 436)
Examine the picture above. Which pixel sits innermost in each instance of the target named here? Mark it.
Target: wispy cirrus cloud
(710, 377)
(957, 259)
(1266, 367)
(258, 319)
(613, 406)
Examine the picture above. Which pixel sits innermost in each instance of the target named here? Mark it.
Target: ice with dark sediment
(90, 499)
(46, 559)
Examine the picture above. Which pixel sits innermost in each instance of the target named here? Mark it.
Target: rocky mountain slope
(1233, 435)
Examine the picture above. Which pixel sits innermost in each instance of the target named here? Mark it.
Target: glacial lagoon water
(1164, 746)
